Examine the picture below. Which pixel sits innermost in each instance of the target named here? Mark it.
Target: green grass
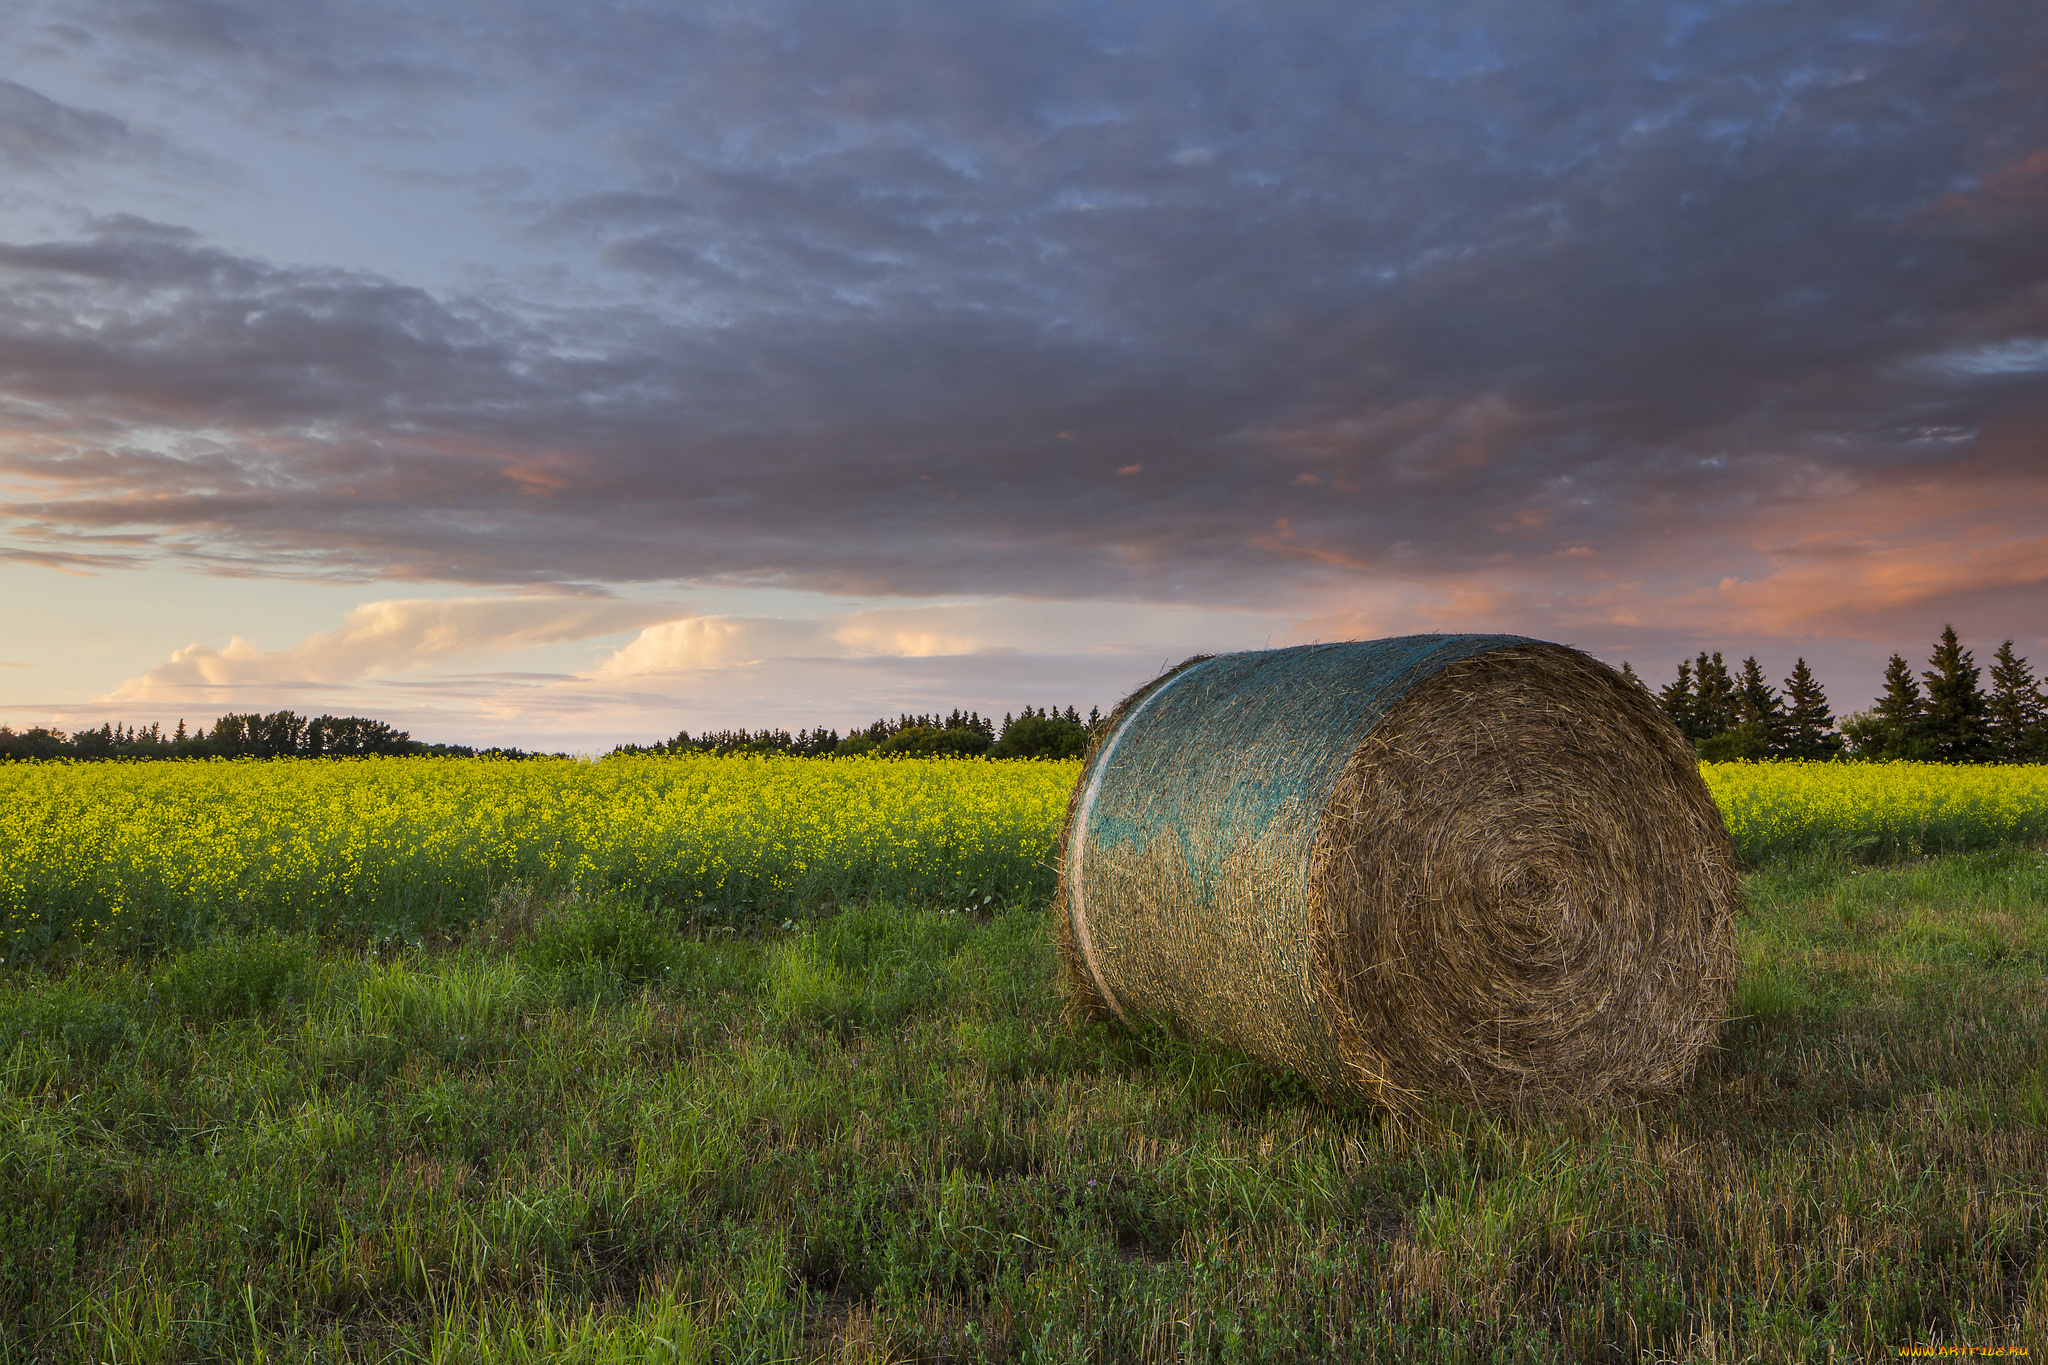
(588, 1132)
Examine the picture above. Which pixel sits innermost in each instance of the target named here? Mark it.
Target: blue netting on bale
(1232, 749)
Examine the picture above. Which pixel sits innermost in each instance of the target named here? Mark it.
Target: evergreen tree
(1756, 733)
(1897, 726)
(93, 743)
(966, 734)
(1716, 707)
(814, 742)
(1042, 733)
(1760, 707)
(1955, 703)
(1680, 703)
(1809, 726)
(2014, 710)
(1629, 675)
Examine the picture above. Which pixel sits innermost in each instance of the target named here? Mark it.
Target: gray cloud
(278, 63)
(37, 132)
(41, 136)
(1557, 297)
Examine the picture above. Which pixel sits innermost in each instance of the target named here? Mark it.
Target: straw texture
(1474, 866)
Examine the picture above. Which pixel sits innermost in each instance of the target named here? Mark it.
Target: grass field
(647, 1121)
(582, 1133)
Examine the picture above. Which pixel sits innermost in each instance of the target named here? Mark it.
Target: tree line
(1040, 732)
(279, 734)
(1945, 714)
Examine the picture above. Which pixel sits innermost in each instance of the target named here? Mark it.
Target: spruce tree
(2014, 710)
(1897, 726)
(1809, 726)
(1955, 703)
(1677, 700)
(1716, 709)
(1760, 708)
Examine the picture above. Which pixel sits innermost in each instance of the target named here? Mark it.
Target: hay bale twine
(1472, 866)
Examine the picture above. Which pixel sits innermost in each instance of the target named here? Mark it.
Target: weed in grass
(594, 947)
(238, 976)
(655, 1330)
(72, 1019)
(1767, 993)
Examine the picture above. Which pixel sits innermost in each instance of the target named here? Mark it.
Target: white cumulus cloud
(945, 630)
(710, 642)
(700, 642)
(391, 636)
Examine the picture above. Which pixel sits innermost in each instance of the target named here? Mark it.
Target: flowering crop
(1880, 810)
(162, 853)
(166, 853)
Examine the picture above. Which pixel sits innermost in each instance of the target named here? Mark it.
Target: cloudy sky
(560, 374)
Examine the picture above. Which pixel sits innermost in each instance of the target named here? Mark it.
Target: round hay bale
(1478, 867)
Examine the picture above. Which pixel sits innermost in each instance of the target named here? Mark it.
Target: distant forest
(1943, 714)
(1032, 733)
(281, 734)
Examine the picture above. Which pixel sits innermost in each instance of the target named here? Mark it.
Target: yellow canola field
(143, 854)
(148, 853)
(1877, 810)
